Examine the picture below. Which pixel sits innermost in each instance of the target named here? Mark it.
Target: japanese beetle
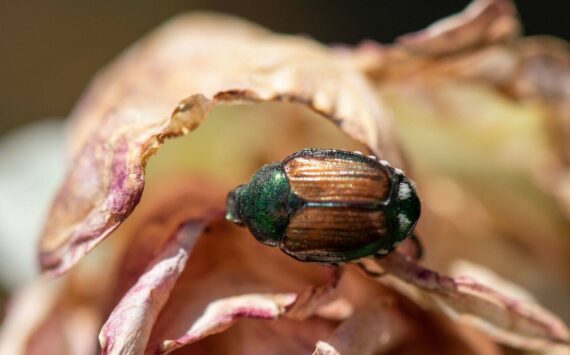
(327, 206)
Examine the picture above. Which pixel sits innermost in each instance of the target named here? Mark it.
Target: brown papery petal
(221, 314)
(168, 277)
(389, 322)
(128, 328)
(544, 75)
(509, 321)
(164, 87)
(445, 45)
(227, 263)
(482, 22)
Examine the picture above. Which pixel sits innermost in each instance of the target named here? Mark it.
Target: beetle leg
(370, 273)
(336, 272)
(419, 247)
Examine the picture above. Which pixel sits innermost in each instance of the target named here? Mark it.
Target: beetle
(327, 206)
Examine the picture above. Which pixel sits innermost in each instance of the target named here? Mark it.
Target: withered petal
(163, 87)
(544, 74)
(509, 321)
(389, 322)
(445, 45)
(221, 314)
(165, 280)
(228, 262)
(482, 22)
(128, 328)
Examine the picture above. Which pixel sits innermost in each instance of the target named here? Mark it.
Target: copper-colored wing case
(342, 217)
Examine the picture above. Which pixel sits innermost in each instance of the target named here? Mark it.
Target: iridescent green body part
(327, 206)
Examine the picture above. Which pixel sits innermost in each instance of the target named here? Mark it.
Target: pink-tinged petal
(510, 321)
(480, 44)
(127, 329)
(223, 313)
(410, 328)
(228, 262)
(259, 337)
(482, 22)
(518, 82)
(164, 87)
(167, 205)
(154, 297)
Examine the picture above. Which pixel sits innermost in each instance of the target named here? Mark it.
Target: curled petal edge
(509, 321)
(482, 22)
(222, 314)
(127, 114)
(128, 328)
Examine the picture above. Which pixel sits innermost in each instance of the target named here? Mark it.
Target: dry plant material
(183, 280)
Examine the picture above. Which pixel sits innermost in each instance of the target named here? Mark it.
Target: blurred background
(50, 50)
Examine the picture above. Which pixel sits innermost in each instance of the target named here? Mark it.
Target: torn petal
(223, 313)
(510, 321)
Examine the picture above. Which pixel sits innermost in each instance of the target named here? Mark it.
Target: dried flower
(175, 277)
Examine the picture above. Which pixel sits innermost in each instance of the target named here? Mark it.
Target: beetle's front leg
(336, 272)
(371, 273)
(418, 246)
(413, 248)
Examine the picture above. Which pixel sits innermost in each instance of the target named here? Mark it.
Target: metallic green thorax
(266, 205)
